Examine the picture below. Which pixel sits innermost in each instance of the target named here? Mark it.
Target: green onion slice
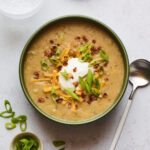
(82, 82)
(57, 51)
(10, 125)
(54, 94)
(95, 93)
(58, 143)
(97, 84)
(103, 55)
(44, 65)
(89, 78)
(62, 148)
(88, 89)
(23, 126)
(71, 93)
(65, 74)
(5, 114)
(8, 106)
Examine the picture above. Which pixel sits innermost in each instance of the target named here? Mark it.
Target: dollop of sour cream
(81, 70)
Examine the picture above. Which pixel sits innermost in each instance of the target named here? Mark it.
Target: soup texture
(73, 71)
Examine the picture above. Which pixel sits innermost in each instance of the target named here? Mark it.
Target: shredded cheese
(102, 85)
(48, 75)
(73, 105)
(40, 80)
(64, 53)
(50, 88)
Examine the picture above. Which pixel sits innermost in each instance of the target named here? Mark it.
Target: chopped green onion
(62, 148)
(5, 114)
(58, 143)
(57, 51)
(23, 126)
(14, 120)
(54, 94)
(97, 84)
(83, 48)
(27, 143)
(85, 52)
(103, 55)
(10, 125)
(96, 61)
(89, 78)
(95, 93)
(82, 82)
(44, 65)
(8, 106)
(71, 93)
(88, 89)
(20, 118)
(65, 74)
(55, 60)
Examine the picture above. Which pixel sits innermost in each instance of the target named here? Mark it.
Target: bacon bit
(58, 44)
(69, 105)
(59, 68)
(74, 69)
(96, 66)
(93, 41)
(66, 57)
(89, 102)
(51, 41)
(59, 100)
(53, 48)
(74, 55)
(105, 95)
(70, 75)
(105, 63)
(65, 63)
(84, 38)
(36, 75)
(75, 84)
(47, 53)
(101, 68)
(92, 97)
(82, 94)
(76, 106)
(99, 48)
(94, 50)
(84, 100)
(77, 38)
(41, 100)
(106, 79)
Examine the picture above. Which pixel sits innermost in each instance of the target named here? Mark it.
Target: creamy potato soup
(73, 71)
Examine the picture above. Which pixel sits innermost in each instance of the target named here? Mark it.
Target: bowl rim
(109, 31)
(22, 134)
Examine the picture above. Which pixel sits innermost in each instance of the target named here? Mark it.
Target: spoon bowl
(139, 74)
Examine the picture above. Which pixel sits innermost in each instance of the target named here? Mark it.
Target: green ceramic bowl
(85, 19)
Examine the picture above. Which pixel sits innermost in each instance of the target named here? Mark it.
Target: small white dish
(20, 9)
(23, 134)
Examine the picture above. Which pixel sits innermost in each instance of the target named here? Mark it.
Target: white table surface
(130, 19)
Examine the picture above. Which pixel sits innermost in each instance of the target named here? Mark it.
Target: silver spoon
(139, 77)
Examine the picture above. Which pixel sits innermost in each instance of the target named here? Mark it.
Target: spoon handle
(120, 126)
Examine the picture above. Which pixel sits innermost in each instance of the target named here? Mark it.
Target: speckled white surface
(130, 19)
